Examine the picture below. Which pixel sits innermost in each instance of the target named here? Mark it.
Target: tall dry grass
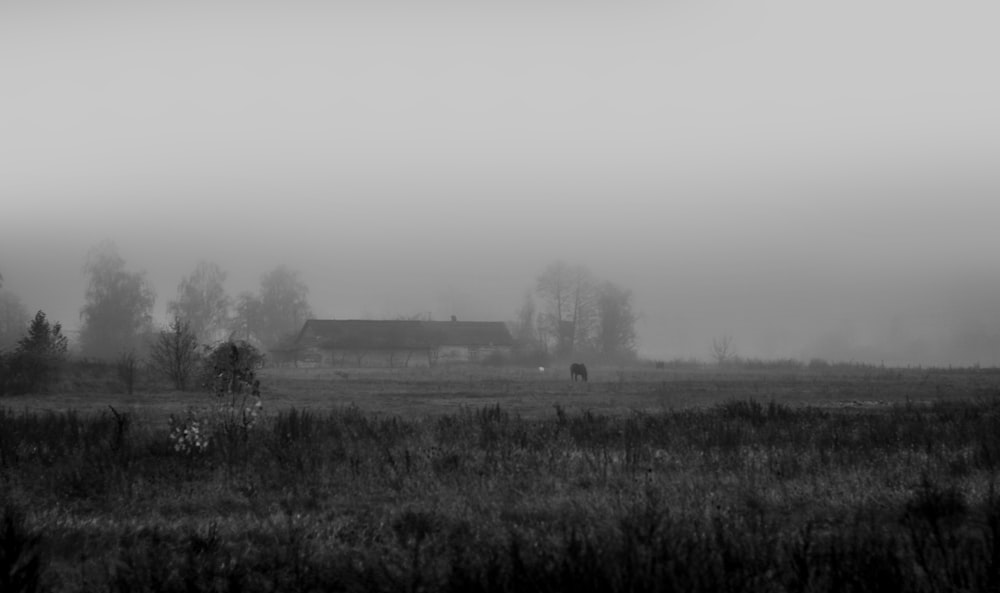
(748, 495)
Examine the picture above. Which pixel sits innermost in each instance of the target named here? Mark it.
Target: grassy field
(419, 392)
(857, 479)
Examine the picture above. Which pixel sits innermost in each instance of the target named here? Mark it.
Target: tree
(568, 294)
(39, 354)
(722, 350)
(282, 306)
(175, 353)
(615, 336)
(523, 328)
(246, 320)
(13, 319)
(118, 308)
(202, 301)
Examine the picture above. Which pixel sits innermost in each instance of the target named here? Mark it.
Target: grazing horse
(578, 370)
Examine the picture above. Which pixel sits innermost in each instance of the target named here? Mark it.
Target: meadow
(751, 478)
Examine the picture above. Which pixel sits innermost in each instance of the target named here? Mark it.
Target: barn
(399, 343)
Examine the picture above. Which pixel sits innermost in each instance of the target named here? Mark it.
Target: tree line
(117, 322)
(572, 313)
(117, 314)
(569, 313)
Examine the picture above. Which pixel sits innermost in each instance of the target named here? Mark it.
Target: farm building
(399, 343)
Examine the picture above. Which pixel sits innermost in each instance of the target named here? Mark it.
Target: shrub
(229, 360)
(238, 407)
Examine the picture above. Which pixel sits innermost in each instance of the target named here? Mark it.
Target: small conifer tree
(39, 355)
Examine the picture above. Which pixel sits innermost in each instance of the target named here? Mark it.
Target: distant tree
(119, 304)
(246, 319)
(523, 327)
(723, 351)
(554, 287)
(570, 312)
(39, 355)
(13, 319)
(202, 301)
(175, 353)
(615, 335)
(283, 306)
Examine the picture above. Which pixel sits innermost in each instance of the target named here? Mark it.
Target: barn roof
(390, 334)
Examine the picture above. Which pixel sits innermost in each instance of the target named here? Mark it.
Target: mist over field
(813, 181)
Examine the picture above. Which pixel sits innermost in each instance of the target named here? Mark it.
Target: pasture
(476, 478)
(418, 392)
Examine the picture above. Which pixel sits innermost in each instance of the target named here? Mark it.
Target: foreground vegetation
(746, 495)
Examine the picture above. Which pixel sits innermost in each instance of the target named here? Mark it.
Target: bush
(229, 372)
(229, 359)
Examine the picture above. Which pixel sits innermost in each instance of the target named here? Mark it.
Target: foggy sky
(811, 180)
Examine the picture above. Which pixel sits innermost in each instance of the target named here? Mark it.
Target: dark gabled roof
(398, 334)
(471, 333)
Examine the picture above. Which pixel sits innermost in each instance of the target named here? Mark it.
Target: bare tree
(568, 294)
(175, 353)
(202, 301)
(119, 305)
(615, 336)
(723, 351)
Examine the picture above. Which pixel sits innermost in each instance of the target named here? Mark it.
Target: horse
(578, 370)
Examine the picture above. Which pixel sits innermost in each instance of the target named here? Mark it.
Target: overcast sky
(810, 178)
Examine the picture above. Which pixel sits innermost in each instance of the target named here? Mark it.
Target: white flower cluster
(252, 414)
(188, 435)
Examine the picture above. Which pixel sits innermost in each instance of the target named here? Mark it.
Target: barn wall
(401, 358)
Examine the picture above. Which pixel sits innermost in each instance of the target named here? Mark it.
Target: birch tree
(202, 301)
(118, 308)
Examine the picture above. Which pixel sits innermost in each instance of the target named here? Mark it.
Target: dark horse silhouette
(578, 370)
